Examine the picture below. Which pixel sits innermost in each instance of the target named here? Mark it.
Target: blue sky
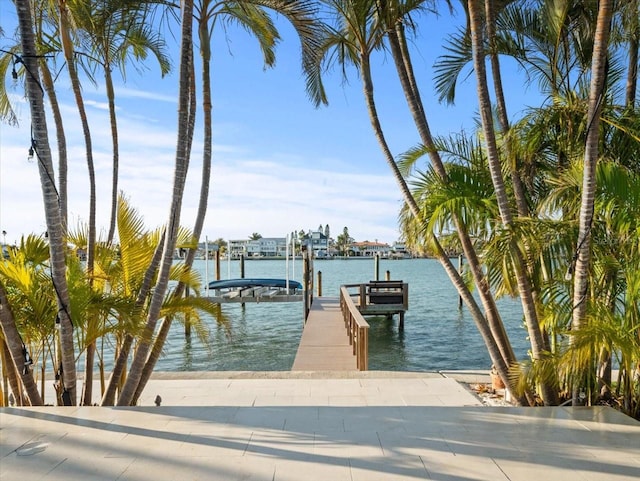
(279, 164)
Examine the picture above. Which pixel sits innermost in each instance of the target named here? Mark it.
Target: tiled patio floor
(317, 428)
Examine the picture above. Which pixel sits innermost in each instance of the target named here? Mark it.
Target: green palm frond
(449, 67)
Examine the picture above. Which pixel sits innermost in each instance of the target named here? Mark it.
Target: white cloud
(249, 192)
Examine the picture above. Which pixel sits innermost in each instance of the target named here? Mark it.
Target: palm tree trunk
(596, 100)
(499, 343)
(634, 45)
(10, 378)
(17, 358)
(61, 139)
(501, 107)
(116, 152)
(67, 49)
(165, 327)
(109, 396)
(90, 356)
(538, 344)
(57, 247)
(180, 174)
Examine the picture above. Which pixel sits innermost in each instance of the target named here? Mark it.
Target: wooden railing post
(357, 327)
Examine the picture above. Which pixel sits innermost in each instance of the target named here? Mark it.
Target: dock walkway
(324, 345)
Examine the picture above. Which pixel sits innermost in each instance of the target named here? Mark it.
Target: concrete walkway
(316, 426)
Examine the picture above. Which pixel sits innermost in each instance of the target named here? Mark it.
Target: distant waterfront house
(399, 250)
(263, 247)
(319, 243)
(237, 248)
(267, 247)
(370, 249)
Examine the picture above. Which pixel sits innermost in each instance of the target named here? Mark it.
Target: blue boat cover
(244, 283)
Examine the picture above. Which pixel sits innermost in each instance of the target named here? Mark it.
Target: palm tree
(19, 356)
(180, 174)
(539, 344)
(118, 30)
(361, 27)
(57, 248)
(66, 19)
(596, 94)
(253, 16)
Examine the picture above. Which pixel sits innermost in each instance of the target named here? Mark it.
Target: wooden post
(218, 265)
(387, 276)
(319, 283)
(306, 285)
(376, 268)
(460, 271)
(242, 275)
(187, 322)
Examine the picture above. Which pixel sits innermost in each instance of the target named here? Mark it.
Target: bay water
(265, 336)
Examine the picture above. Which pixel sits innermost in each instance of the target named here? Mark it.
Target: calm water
(264, 337)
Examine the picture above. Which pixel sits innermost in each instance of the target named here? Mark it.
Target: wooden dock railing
(381, 298)
(357, 329)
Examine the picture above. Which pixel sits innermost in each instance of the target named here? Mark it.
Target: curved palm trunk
(67, 49)
(13, 342)
(165, 327)
(596, 99)
(10, 375)
(495, 348)
(634, 45)
(116, 152)
(538, 344)
(180, 175)
(400, 52)
(61, 139)
(501, 106)
(57, 247)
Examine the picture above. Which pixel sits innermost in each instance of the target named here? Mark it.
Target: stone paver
(358, 428)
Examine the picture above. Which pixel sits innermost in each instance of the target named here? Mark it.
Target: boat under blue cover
(246, 283)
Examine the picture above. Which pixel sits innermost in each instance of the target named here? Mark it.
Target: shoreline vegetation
(542, 201)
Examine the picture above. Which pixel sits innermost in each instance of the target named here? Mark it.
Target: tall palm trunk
(180, 174)
(495, 348)
(57, 247)
(632, 8)
(108, 79)
(10, 377)
(165, 327)
(67, 49)
(501, 107)
(18, 356)
(61, 139)
(538, 345)
(596, 100)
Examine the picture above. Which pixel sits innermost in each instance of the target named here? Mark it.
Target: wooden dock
(324, 345)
